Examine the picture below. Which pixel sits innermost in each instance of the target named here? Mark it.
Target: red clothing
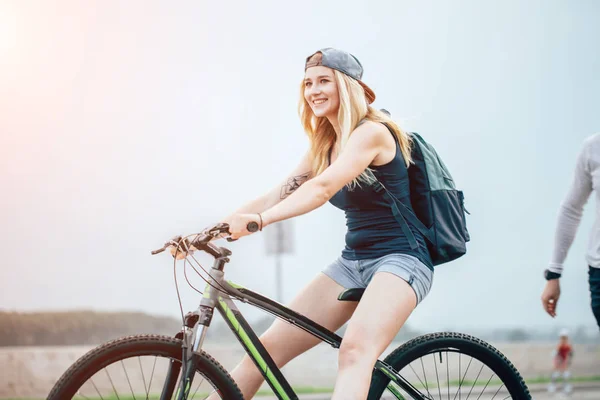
(564, 351)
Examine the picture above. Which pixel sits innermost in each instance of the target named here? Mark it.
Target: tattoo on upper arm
(293, 183)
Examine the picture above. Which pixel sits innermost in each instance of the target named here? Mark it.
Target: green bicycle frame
(219, 293)
(222, 300)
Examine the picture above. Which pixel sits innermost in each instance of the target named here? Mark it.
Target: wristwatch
(549, 275)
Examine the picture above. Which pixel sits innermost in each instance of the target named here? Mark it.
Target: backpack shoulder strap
(400, 211)
(402, 214)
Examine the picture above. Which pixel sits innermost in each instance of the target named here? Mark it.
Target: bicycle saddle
(353, 294)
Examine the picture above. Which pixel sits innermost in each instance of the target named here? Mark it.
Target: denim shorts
(358, 273)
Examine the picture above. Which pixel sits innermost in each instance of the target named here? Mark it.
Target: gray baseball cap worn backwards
(343, 62)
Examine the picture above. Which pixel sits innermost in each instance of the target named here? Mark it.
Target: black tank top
(372, 230)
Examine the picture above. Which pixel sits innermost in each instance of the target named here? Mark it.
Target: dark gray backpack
(439, 212)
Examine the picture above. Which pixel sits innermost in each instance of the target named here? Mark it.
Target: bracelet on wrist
(261, 222)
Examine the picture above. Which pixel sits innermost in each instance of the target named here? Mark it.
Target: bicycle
(185, 359)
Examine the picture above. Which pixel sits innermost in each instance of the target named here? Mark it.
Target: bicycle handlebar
(202, 241)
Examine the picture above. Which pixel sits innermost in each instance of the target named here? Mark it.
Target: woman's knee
(354, 351)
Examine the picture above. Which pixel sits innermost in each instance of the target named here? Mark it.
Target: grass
(543, 379)
(299, 390)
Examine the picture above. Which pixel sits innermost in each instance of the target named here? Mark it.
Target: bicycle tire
(460, 343)
(117, 350)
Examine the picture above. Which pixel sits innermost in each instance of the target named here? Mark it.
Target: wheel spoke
(111, 383)
(448, 374)
(436, 374)
(460, 382)
(475, 381)
(485, 387)
(498, 391)
(458, 376)
(82, 395)
(151, 376)
(178, 387)
(416, 374)
(425, 377)
(97, 391)
(128, 381)
(146, 389)
(200, 384)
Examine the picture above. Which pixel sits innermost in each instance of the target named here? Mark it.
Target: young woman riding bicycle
(350, 147)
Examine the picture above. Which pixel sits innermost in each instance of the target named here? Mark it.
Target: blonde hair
(352, 110)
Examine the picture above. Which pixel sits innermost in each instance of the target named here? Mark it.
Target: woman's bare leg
(317, 301)
(383, 309)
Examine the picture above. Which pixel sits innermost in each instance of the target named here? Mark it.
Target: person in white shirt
(585, 180)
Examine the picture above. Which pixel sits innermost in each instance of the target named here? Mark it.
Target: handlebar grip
(252, 226)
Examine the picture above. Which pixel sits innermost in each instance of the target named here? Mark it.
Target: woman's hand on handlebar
(181, 248)
(179, 255)
(239, 224)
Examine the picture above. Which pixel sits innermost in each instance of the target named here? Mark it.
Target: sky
(123, 124)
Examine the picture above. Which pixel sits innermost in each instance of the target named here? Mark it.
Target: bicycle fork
(192, 343)
(192, 335)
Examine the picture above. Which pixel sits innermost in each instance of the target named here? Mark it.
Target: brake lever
(157, 251)
(173, 242)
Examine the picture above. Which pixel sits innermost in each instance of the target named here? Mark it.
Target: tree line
(78, 327)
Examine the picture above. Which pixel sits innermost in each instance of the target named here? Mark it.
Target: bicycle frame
(219, 294)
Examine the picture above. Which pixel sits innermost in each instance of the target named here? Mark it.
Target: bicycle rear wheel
(141, 367)
(451, 366)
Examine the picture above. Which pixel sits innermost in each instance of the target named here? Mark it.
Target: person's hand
(550, 296)
(238, 224)
(181, 250)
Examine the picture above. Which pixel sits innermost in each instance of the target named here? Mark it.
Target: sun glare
(8, 29)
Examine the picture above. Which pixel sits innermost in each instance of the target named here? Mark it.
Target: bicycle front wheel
(451, 366)
(141, 367)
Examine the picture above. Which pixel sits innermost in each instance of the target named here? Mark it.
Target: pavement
(581, 391)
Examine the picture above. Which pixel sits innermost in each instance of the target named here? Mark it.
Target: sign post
(279, 240)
